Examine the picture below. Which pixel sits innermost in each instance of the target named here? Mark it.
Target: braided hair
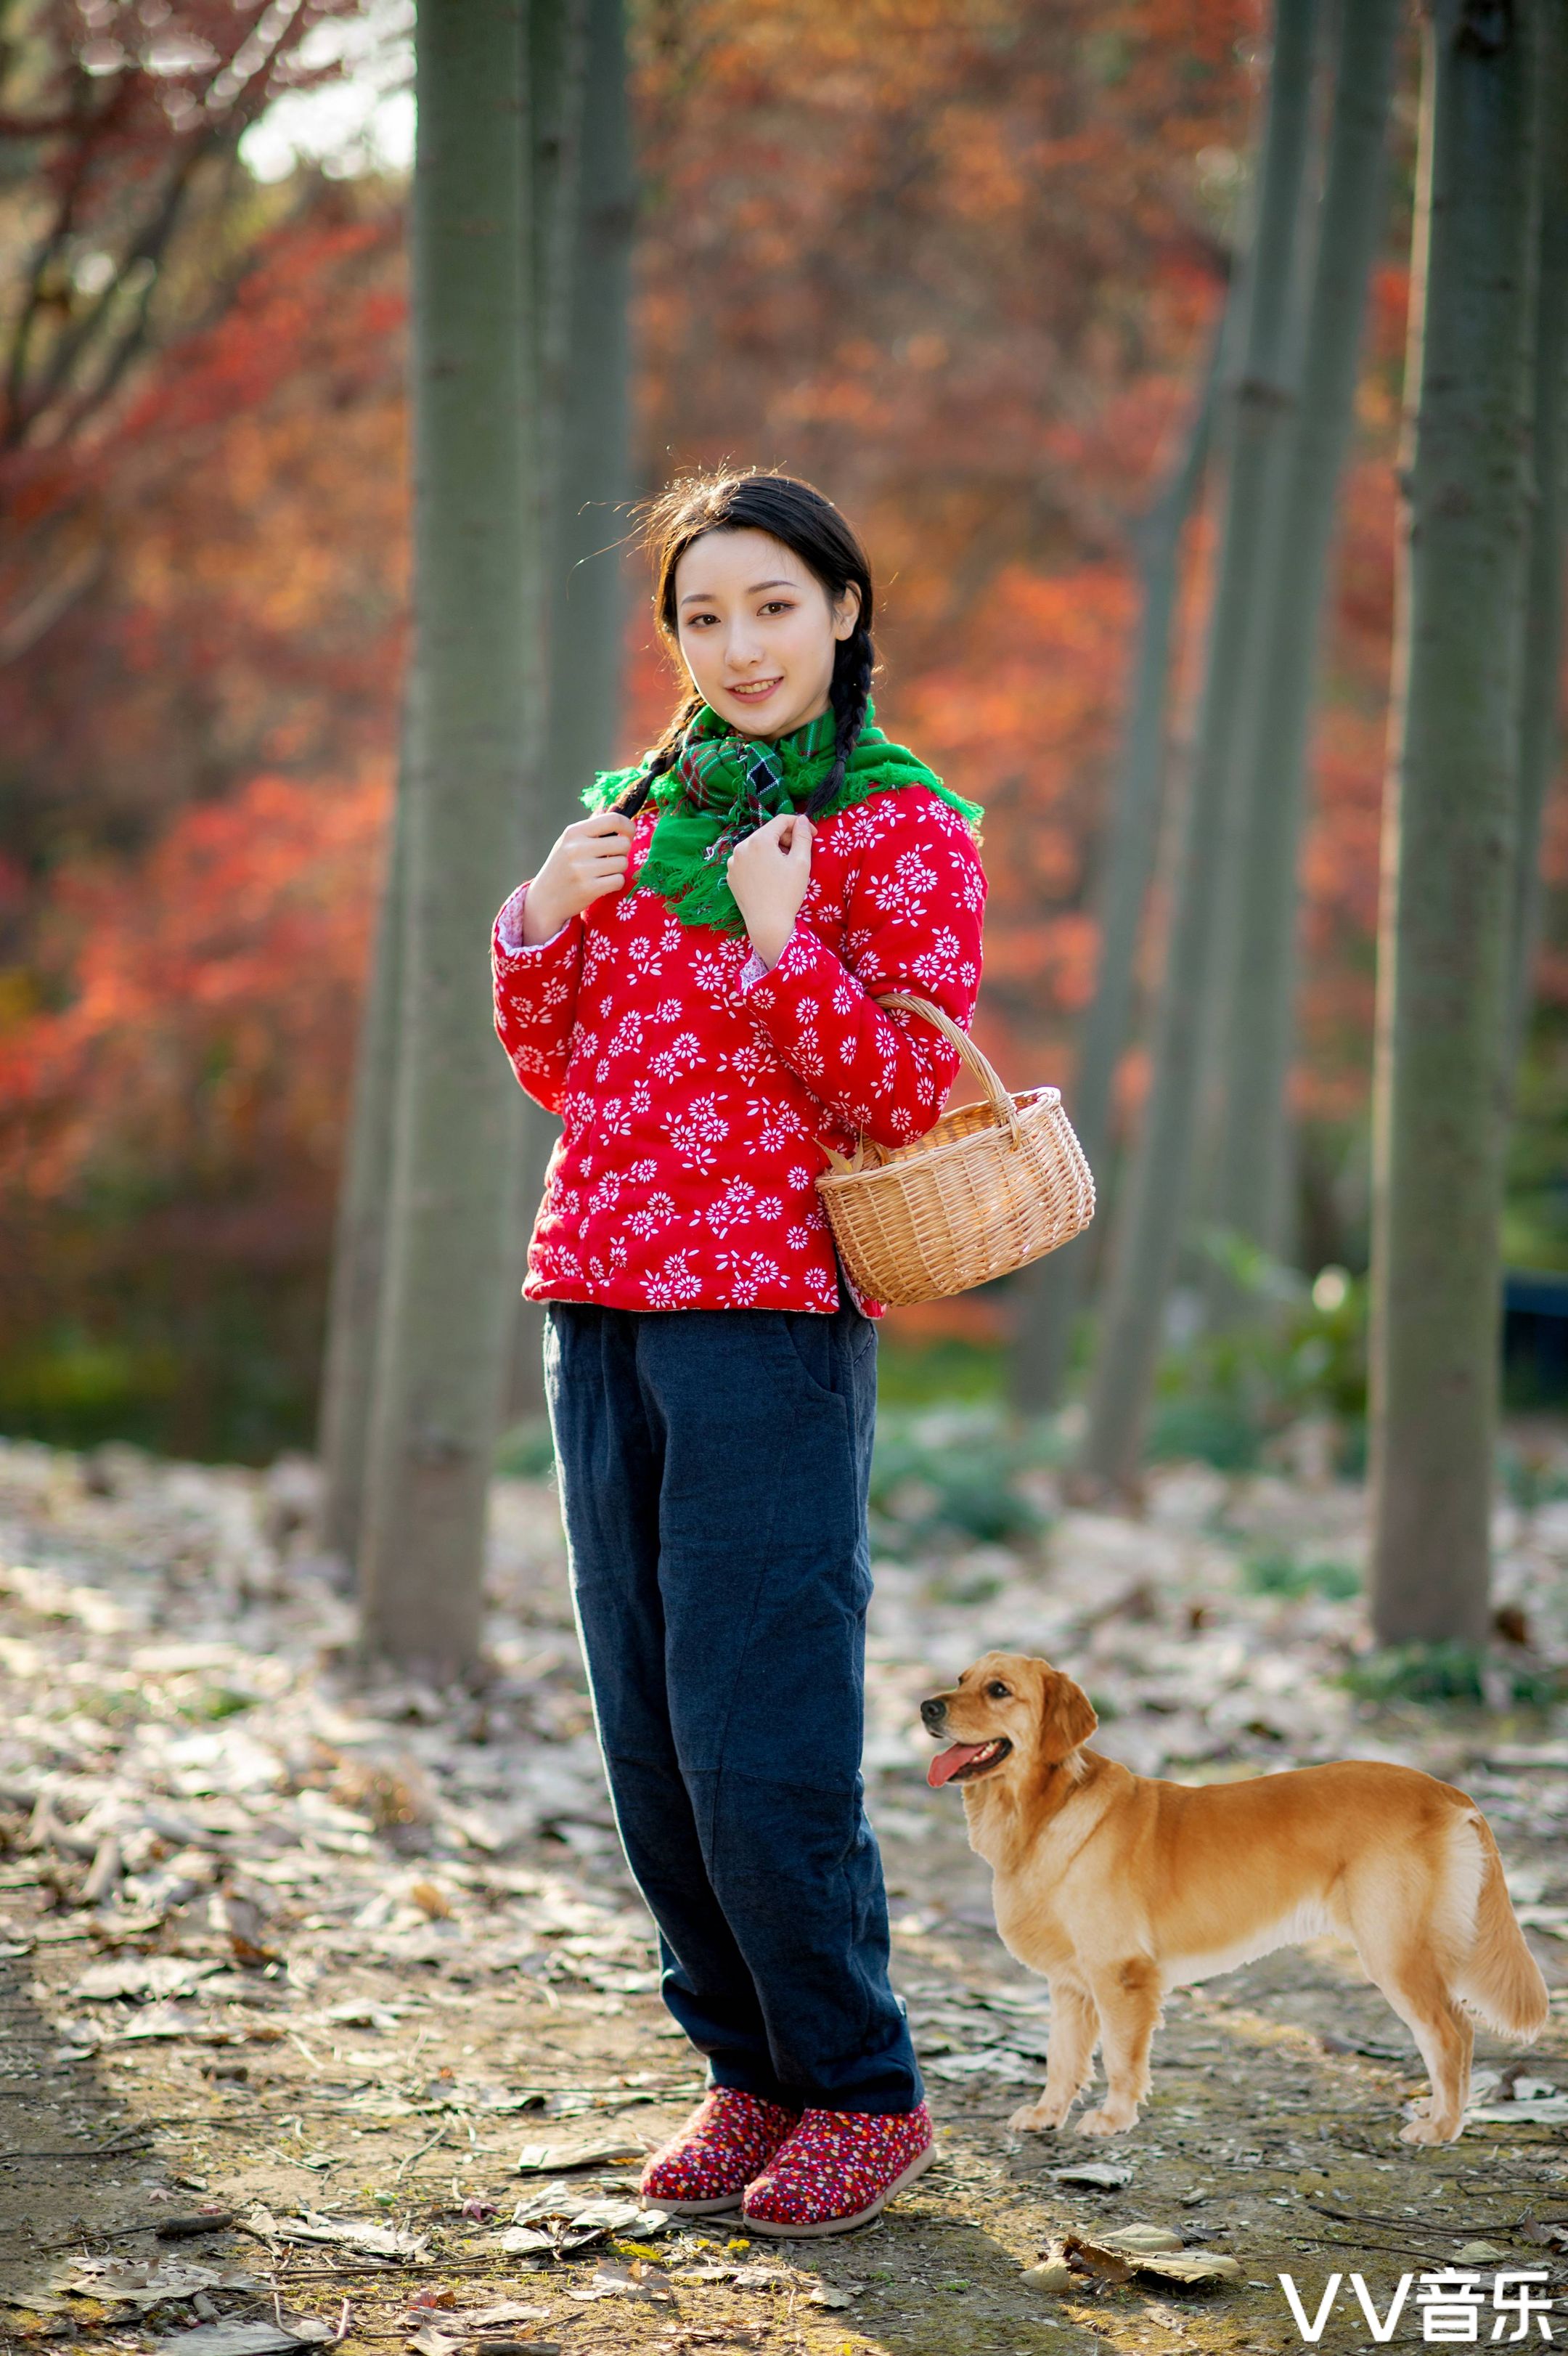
(803, 521)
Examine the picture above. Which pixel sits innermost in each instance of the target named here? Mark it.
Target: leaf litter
(235, 1847)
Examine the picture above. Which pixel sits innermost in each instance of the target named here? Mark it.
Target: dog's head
(1007, 1709)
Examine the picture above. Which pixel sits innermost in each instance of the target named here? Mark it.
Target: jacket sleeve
(536, 999)
(914, 909)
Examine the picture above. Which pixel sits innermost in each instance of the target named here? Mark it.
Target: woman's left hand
(769, 873)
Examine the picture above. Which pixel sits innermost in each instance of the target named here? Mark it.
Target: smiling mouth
(966, 1760)
(754, 689)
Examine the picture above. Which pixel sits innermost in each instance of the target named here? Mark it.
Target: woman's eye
(779, 606)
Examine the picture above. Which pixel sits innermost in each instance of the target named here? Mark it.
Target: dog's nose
(933, 1712)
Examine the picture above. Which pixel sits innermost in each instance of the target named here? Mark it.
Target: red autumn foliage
(201, 1042)
(242, 611)
(957, 265)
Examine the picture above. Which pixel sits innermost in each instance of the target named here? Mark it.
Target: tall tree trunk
(1051, 1290)
(1440, 1096)
(1257, 991)
(1541, 721)
(557, 68)
(590, 483)
(348, 1365)
(472, 721)
(1147, 1229)
(554, 79)
(587, 608)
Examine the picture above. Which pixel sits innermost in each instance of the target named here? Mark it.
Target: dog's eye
(998, 1691)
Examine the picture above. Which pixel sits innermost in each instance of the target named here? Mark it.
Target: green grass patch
(220, 1702)
(527, 1451)
(1213, 1430)
(1282, 1574)
(1451, 1672)
(950, 1476)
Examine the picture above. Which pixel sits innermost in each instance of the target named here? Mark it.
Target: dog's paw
(1432, 2130)
(1106, 2121)
(1038, 2118)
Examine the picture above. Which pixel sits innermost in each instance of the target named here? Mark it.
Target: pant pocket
(821, 1348)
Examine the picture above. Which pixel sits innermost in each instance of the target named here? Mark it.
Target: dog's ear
(1066, 1717)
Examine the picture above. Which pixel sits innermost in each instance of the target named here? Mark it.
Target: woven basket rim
(1044, 1098)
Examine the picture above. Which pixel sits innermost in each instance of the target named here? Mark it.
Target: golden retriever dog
(1118, 1887)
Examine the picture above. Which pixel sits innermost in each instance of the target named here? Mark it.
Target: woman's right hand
(588, 859)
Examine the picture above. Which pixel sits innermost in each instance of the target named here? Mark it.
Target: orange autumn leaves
(957, 260)
(246, 522)
(202, 1043)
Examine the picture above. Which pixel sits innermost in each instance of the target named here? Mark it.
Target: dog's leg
(1445, 2035)
(1075, 2026)
(1128, 2000)
(1468, 2032)
(1447, 2040)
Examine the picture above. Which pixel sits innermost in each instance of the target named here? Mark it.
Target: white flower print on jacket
(696, 1087)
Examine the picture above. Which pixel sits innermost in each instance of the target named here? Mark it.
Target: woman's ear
(846, 612)
(1067, 1716)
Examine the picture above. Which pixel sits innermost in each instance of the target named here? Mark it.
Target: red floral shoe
(708, 2163)
(839, 2169)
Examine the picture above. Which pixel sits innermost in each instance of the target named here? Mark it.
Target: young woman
(687, 981)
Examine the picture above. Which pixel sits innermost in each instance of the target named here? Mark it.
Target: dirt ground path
(330, 2015)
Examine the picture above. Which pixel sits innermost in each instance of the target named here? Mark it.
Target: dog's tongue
(946, 1764)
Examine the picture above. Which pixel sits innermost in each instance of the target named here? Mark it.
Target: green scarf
(725, 784)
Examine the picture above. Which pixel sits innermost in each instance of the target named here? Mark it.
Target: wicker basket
(991, 1187)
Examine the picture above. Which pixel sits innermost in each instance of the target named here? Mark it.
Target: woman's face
(758, 630)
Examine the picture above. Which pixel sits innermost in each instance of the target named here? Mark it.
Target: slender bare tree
(581, 206)
(1441, 1095)
(1257, 990)
(359, 1242)
(1148, 1228)
(589, 406)
(473, 742)
(1050, 1291)
(587, 605)
(1540, 722)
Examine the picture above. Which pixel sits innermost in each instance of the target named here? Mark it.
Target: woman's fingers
(600, 842)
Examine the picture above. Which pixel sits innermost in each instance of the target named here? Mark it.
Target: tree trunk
(1440, 1093)
(556, 64)
(1147, 1230)
(1049, 1291)
(472, 748)
(587, 605)
(360, 1245)
(1257, 993)
(1540, 719)
(590, 483)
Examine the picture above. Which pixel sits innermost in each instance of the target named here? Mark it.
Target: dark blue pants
(714, 1467)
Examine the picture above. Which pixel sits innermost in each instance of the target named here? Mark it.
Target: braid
(665, 755)
(854, 663)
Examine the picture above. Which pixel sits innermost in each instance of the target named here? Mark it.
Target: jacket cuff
(761, 984)
(509, 939)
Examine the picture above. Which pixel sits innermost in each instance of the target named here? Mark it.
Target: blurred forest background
(961, 263)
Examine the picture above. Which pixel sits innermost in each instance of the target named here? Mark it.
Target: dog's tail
(1499, 1978)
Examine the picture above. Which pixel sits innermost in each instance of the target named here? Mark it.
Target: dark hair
(799, 515)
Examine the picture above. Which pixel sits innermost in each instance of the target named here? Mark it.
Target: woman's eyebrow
(705, 596)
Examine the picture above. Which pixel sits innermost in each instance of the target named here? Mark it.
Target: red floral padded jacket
(694, 1084)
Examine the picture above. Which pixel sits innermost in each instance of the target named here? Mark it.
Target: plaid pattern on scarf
(724, 785)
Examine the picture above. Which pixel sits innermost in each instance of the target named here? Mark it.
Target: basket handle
(985, 1072)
